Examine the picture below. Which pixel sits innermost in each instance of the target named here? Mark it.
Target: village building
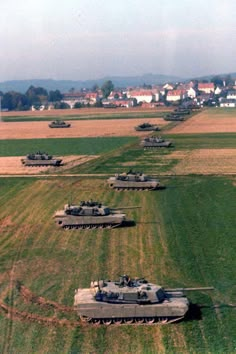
(207, 87)
(231, 103)
(231, 95)
(141, 95)
(175, 95)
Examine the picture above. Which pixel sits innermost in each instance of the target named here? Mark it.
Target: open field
(209, 121)
(184, 239)
(12, 165)
(89, 128)
(63, 147)
(191, 154)
(84, 113)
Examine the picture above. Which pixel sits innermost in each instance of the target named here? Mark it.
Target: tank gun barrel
(190, 289)
(122, 208)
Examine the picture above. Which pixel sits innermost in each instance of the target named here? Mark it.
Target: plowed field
(205, 122)
(89, 128)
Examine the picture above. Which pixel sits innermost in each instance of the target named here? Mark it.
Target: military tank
(59, 124)
(131, 301)
(173, 117)
(91, 215)
(181, 111)
(155, 142)
(133, 181)
(146, 127)
(40, 159)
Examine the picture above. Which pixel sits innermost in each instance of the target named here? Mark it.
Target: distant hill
(66, 85)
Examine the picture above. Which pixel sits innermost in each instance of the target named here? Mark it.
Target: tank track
(130, 321)
(134, 188)
(90, 226)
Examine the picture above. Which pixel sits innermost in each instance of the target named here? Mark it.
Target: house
(141, 95)
(91, 97)
(228, 103)
(118, 103)
(168, 87)
(175, 95)
(207, 87)
(73, 97)
(231, 95)
(218, 90)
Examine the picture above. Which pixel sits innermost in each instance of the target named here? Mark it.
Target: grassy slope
(183, 237)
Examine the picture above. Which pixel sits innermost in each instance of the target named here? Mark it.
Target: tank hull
(89, 222)
(148, 129)
(150, 145)
(101, 312)
(178, 118)
(37, 163)
(66, 125)
(132, 185)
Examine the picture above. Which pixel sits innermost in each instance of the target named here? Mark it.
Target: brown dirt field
(82, 111)
(12, 165)
(90, 128)
(205, 161)
(206, 123)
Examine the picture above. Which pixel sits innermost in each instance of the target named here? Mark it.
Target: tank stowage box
(155, 142)
(131, 301)
(59, 124)
(40, 159)
(146, 127)
(133, 181)
(90, 215)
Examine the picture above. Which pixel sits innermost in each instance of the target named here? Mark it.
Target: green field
(184, 236)
(156, 161)
(66, 146)
(104, 115)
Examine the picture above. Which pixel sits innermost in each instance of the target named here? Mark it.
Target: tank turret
(147, 127)
(59, 124)
(91, 215)
(131, 300)
(40, 159)
(155, 142)
(133, 181)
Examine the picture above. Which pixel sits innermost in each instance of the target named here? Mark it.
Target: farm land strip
(208, 121)
(183, 239)
(84, 113)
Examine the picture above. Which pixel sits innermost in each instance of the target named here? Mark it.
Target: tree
(61, 105)
(55, 96)
(78, 105)
(217, 80)
(95, 88)
(106, 88)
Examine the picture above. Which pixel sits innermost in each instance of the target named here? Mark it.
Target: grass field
(184, 236)
(60, 146)
(159, 161)
(85, 116)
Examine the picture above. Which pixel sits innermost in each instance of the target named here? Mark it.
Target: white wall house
(231, 95)
(175, 95)
(191, 93)
(142, 95)
(228, 103)
(207, 87)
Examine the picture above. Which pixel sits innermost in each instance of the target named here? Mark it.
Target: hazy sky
(90, 39)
